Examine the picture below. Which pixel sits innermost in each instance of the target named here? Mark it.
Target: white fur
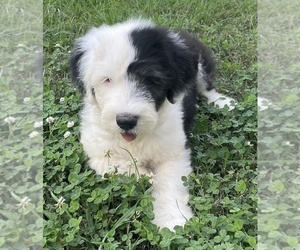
(219, 100)
(166, 149)
(160, 142)
(213, 96)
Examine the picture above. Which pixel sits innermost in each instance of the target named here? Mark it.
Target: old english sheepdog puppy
(140, 85)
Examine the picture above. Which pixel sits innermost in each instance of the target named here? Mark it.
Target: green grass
(278, 151)
(115, 212)
(21, 139)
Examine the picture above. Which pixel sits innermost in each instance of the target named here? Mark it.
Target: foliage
(278, 148)
(85, 211)
(21, 138)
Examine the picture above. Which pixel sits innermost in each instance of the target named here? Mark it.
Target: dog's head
(129, 71)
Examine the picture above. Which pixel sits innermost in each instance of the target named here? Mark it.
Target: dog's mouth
(128, 136)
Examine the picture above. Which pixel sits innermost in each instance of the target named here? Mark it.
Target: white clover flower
(33, 134)
(49, 119)
(133, 162)
(62, 99)
(133, 166)
(38, 124)
(151, 178)
(24, 202)
(60, 202)
(152, 181)
(67, 134)
(70, 124)
(150, 175)
(26, 99)
(9, 119)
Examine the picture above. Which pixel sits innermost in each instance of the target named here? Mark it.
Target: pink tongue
(128, 136)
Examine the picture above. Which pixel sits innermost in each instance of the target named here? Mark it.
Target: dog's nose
(126, 121)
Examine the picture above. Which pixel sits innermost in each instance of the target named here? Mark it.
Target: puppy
(140, 84)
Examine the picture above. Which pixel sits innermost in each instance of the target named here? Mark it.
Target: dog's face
(128, 72)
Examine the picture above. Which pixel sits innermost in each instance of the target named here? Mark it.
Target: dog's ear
(74, 63)
(187, 57)
(183, 68)
(183, 78)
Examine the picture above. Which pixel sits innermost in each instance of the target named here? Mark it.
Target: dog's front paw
(169, 223)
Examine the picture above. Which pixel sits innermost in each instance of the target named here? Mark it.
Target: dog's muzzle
(127, 122)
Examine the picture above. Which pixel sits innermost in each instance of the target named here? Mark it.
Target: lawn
(21, 138)
(278, 134)
(85, 211)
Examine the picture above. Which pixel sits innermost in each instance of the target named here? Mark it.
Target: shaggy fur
(140, 85)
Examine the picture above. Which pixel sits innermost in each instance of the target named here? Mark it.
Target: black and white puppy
(140, 85)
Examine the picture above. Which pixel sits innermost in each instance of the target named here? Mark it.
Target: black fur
(74, 66)
(166, 68)
(205, 57)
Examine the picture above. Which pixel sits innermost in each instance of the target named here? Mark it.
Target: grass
(21, 139)
(278, 148)
(84, 211)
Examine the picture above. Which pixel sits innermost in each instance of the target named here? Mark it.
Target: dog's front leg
(101, 165)
(171, 196)
(110, 165)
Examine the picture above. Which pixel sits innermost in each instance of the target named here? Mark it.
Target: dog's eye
(106, 80)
